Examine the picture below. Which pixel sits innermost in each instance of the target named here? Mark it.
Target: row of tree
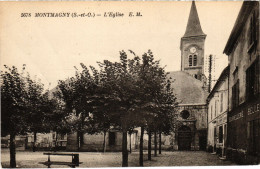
(25, 107)
(126, 94)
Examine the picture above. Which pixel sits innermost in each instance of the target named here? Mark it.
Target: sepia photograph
(93, 84)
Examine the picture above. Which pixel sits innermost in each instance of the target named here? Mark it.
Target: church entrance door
(184, 138)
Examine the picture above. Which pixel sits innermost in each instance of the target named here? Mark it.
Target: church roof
(193, 26)
(187, 89)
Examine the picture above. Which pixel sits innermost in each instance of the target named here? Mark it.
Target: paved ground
(27, 159)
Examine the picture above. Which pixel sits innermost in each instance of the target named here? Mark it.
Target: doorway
(184, 138)
(203, 140)
(112, 138)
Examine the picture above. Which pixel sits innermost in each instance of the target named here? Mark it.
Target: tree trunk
(78, 140)
(56, 139)
(155, 143)
(34, 140)
(81, 133)
(149, 145)
(12, 151)
(160, 142)
(141, 159)
(26, 142)
(81, 137)
(124, 150)
(130, 148)
(104, 142)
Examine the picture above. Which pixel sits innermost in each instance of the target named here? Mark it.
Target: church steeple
(192, 46)
(193, 26)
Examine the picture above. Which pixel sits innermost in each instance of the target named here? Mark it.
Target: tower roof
(193, 26)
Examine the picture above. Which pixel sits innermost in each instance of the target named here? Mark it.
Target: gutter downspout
(227, 113)
(207, 122)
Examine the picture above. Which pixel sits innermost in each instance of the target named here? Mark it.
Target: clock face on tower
(192, 50)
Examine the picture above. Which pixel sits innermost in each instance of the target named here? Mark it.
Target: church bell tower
(192, 46)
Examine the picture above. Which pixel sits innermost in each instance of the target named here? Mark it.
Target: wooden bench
(75, 159)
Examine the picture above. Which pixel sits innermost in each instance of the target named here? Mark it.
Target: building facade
(189, 86)
(217, 115)
(191, 125)
(242, 48)
(44, 141)
(95, 142)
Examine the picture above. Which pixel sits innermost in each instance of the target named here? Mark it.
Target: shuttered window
(252, 30)
(235, 95)
(220, 135)
(221, 102)
(252, 80)
(254, 137)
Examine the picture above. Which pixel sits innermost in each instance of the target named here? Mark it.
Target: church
(189, 86)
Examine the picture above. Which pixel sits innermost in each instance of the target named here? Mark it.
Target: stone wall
(95, 142)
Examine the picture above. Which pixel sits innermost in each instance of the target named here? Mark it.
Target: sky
(51, 47)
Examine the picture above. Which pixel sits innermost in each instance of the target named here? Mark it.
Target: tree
(165, 113)
(82, 96)
(85, 88)
(133, 90)
(117, 82)
(55, 115)
(99, 120)
(23, 106)
(109, 96)
(36, 107)
(13, 99)
(124, 95)
(156, 91)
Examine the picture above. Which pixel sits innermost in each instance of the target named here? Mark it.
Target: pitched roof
(187, 89)
(193, 26)
(223, 75)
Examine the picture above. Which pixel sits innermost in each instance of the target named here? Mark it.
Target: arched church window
(190, 60)
(195, 60)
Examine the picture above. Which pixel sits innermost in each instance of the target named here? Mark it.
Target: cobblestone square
(26, 159)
